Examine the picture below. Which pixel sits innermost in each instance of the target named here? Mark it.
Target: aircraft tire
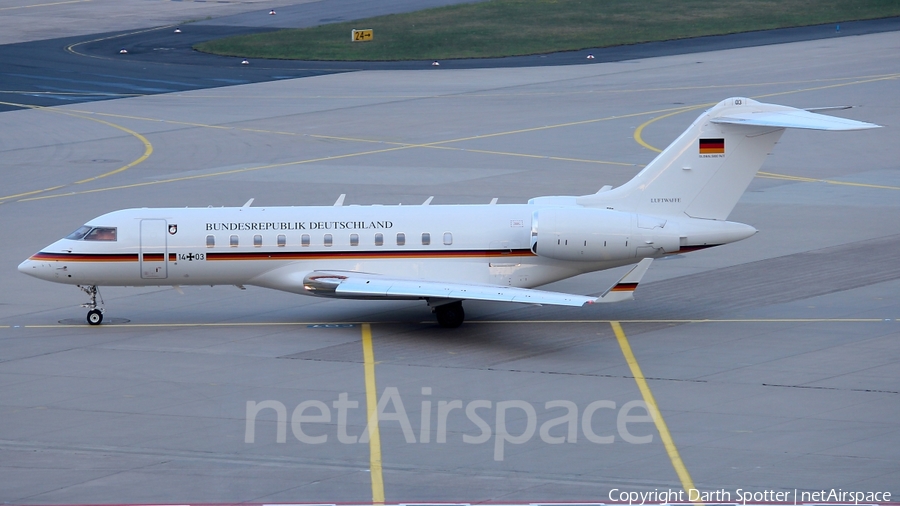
(450, 316)
(95, 317)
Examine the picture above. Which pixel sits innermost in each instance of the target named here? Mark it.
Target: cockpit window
(79, 234)
(101, 234)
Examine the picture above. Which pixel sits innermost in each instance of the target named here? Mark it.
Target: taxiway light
(272, 12)
(435, 64)
(590, 57)
(245, 62)
(178, 30)
(123, 51)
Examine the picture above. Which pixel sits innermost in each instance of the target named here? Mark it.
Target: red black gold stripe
(283, 255)
(376, 255)
(712, 146)
(85, 257)
(159, 257)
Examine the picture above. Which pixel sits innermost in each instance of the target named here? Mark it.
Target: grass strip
(498, 28)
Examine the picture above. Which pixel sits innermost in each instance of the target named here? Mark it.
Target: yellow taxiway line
(372, 410)
(148, 150)
(686, 482)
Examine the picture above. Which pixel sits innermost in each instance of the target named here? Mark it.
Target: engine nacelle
(591, 235)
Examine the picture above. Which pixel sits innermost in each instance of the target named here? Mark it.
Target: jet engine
(590, 235)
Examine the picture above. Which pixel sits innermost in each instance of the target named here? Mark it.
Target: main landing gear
(95, 313)
(450, 315)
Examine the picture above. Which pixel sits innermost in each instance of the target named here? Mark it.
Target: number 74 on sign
(361, 35)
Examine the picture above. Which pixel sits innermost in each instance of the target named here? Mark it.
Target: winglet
(625, 287)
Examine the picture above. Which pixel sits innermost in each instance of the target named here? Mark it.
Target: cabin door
(154, 250)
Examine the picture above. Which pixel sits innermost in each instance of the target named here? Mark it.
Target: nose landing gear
(95, 313)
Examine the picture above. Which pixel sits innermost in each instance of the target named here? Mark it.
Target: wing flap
(377, 286)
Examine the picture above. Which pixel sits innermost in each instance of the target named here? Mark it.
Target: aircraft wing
(359, 285)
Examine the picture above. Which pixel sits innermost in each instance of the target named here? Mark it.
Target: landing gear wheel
(95, 311)
(450, 316)
(94, 317)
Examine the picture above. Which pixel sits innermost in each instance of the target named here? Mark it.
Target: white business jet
(444, 254)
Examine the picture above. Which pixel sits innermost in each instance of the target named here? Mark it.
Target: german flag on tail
(712, 146)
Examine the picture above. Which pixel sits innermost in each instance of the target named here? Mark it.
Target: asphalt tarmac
(773, 362)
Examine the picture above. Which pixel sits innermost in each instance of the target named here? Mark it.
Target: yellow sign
(361, 35)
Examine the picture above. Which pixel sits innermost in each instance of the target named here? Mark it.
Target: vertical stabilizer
(704, 172)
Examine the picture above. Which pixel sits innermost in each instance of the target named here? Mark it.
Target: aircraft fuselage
(488, 244)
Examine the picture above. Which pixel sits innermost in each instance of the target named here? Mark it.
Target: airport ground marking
(436, 145)
(801, 179)
(216, 93)
(686, 482)
(375, 466)
(862, 80)
(539, 157)
(148, 149)
(755, 85)
(214, 174)
(638, 136)
(333, 157)
(71, 47)
(639, 131)
(43, 5)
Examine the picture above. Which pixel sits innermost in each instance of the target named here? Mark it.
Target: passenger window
(354, 239)
(257, 240)
(79, 234)
(401, 239)
(101, 234)
(448, 238)
(328, 240)
(379, 239)
(282, 240)
(426, 238)
(233, 241)
(304, 240)
(210, 241)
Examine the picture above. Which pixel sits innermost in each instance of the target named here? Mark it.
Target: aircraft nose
(27, 267)
(34, 268)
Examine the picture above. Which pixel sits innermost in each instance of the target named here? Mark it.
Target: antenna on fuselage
(340, 201)
(428, 200)
(247, 204)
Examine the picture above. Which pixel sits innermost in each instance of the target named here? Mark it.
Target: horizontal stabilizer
(793, 118)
